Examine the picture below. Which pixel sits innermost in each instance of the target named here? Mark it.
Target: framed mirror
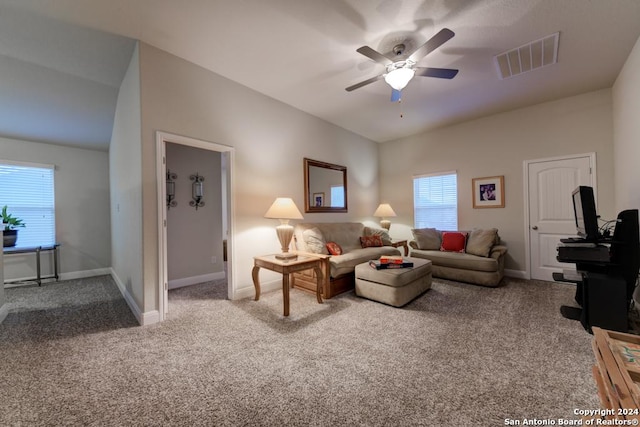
(325, 187)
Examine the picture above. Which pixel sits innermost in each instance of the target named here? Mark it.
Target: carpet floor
(71, 353)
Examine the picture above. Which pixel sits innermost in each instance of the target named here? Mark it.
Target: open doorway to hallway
(195, 213)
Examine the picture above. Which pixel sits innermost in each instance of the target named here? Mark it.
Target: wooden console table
(38, 251)
(287, 268)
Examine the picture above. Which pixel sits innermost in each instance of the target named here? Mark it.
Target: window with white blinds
(435, 201)
(28, 192)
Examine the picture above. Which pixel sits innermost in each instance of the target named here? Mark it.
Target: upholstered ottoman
(394, 286)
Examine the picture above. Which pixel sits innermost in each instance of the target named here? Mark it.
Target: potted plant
(10, 225)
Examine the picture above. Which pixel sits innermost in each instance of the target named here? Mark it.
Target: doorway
(226, 195)
(548, 187)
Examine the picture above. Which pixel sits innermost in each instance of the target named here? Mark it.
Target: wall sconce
(197, 191)
(171, 189)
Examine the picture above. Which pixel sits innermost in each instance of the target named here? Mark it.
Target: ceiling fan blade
(395, 95)
(375, 55)
(363, 83)
(432, 44)
(441, 73)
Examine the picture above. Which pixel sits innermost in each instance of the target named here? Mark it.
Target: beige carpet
(460, 355)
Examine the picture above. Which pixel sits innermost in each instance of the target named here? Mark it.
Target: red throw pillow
(334, 248)
(453, 241)
(370, 241)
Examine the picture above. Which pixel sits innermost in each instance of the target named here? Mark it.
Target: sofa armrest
(497, 251)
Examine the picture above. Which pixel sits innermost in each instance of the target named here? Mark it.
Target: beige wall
(82, 208)
(498, 145)
(126, 186)
(270, 140)
(626, 133)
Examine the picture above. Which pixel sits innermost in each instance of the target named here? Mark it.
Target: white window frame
(36, 207)
(422, 220)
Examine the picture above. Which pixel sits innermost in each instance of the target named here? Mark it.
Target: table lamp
(384, 211)
(284, 209)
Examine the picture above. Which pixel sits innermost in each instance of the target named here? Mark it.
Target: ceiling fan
(401, 68)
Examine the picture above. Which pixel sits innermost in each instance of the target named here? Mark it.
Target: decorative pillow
(384, 234)
(453, 241)
(481, 241)
(370, 241)
(334, 248)
(314, 241)
(428, 239)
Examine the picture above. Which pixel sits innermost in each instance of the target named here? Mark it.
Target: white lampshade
(384, 210)
(284, 209)
(399, 77)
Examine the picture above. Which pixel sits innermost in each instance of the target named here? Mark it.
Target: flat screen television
(584, 208)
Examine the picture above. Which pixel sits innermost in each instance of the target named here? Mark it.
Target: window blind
(28, 191)
(435, 201)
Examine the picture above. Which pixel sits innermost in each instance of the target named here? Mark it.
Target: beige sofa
(338, 270)
(480, 263)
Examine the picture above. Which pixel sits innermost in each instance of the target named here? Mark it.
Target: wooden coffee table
(286, 268)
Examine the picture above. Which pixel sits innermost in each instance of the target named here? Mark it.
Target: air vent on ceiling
(536, 54)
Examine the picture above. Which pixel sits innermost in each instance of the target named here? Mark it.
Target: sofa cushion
(458, 260)
(346, 263)
(384, 234)
(453, 241)
(314, 241)
(481, 241)
(427, 238)
(334, 248)
(346, 234)
(370, 241)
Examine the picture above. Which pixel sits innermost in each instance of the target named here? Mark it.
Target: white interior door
(551, 216)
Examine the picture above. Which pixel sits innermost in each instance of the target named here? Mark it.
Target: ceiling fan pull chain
(401, 109)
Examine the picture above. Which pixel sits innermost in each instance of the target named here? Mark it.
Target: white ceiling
(303, 53)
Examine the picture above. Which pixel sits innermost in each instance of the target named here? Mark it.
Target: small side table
(286, 268)
(399, 243)
(13, 250)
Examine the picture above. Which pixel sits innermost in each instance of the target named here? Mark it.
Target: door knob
(535, 227)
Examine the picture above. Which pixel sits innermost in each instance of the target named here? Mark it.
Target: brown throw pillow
(334, 248)
(481, 241)
(370, 241)
(384, 234)
(428, 239)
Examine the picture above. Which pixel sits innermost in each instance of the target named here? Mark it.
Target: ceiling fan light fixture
(399, 77)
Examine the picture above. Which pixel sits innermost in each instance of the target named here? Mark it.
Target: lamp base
(386, 224)
(286, 256)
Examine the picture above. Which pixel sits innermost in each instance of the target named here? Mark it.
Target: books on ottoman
(380, 264)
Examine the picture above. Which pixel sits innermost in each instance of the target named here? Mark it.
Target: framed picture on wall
(488, 192)
(318, 199)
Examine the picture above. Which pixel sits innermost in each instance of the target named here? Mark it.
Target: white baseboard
(250, 291)
(516, 274)
(4, 311)
(84, 274)
(127, 297)
(149, 318)
(188, 281)
(143, 318)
